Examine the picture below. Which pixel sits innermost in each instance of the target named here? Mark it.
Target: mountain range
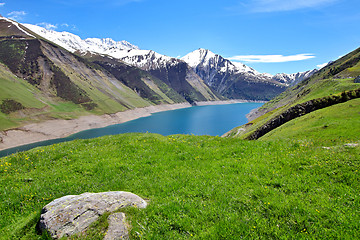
(65, 76)
(230, 79)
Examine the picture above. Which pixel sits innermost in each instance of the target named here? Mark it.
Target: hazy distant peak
(294, 78)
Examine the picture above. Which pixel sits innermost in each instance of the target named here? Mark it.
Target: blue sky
(269, 35)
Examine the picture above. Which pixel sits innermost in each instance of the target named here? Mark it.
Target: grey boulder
(73, 214)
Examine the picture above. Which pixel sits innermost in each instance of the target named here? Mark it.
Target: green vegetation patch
(12, 52)
(66, 89)
(10, 105)
(21, 57)
(198, 187)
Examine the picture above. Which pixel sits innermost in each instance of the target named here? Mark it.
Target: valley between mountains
(48, 77)
(291, 172)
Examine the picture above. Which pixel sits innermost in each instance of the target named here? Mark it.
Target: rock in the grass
(351, 145)
(73, 214)
(118, 228)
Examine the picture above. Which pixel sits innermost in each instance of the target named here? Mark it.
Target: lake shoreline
(60, 128)
(232, 101)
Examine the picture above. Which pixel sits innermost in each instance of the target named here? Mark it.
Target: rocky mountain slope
(232, 79)
(173, 72)
(208, 65)
(225, 78)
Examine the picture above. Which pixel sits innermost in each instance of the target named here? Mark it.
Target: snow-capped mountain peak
(123, 50)
(203, 57)
(198, 56)
(145, 59)
(73, 43)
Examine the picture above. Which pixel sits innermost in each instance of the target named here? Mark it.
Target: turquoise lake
(214, 120)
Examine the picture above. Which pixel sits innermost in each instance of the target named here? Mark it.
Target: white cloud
(2, 4)
(47, 26)
(65, 25)
(285, 5)
(272, 58)
(50, 26)
(16, 15)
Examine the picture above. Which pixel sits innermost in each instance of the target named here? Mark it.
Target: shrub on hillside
(9, 105)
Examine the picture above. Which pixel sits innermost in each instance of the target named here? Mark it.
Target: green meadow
(198, 187)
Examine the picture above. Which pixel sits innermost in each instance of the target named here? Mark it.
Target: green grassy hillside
(341, 121)
(18, 90)
(198, 187)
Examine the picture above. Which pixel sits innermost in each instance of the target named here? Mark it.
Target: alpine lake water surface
(214, 120)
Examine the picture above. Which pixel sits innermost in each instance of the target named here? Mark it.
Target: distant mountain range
(233, 79)
(293, 79)
(46, 74)
(229, 79)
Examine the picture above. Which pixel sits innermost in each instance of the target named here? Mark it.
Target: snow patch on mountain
(146, 59)
(73, 43)
(17, 25)
(294, 78)
(123, 50)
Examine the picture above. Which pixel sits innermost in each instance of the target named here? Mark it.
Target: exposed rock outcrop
(73, 214)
